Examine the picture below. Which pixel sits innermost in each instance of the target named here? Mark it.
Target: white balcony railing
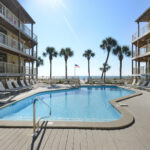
(143, 50)
(142, 32)
(143, 70)
(10, 68)
(29, 70)
(12, 43)
(12, 19)
(135, 71)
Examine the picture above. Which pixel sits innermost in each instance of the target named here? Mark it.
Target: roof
(145, 17)
(14, 6)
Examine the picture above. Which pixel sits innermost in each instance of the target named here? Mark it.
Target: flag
(77, 66)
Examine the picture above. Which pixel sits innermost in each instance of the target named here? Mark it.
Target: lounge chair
(134, 82)
(10, 87)
(6, 91)
(27, 83)
(138, 83)
(4, 94)
(32, 82)
(146, 87)
(142, 85)
(25, 86)
(17, 86)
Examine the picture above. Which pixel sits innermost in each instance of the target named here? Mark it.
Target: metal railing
(11, 68)
(12, 19)
(28, 70)
(36, 124)
(135, 71)
(142, 32)
(12, 43)
(143, 50)
(143, 70)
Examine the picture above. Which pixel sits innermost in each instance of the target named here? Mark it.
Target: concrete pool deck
(126, 119)
(135, 137)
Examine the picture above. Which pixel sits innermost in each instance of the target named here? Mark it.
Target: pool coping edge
(126, 120)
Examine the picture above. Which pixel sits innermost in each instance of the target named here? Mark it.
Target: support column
(29, 71)
(138, 49)
(36, 62)
(32, 50)
(19, 48)
(32, 69)
(132, 58)
(146, 70)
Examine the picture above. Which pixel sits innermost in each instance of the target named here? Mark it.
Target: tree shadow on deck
(43, 130)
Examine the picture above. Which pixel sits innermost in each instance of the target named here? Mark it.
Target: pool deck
(135, 137)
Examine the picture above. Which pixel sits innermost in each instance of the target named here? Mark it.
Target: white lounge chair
(133, 83)
(32, 82)
(147, 87)
(17, 86)
(23, 85)
(3, 89)
(3, 92)
(27, 83)
(142, 85)
(10, 87)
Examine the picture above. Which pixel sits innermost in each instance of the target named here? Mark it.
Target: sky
(82, 25)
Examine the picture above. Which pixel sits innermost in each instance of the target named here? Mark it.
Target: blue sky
(82, 25)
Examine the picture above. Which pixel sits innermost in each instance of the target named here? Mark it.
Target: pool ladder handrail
(36, 124)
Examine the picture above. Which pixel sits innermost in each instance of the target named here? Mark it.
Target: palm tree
(40, 62)
(107, 44)
(66, 53)
(121, 52)
(88, 54)
(50, 52)
(105, 68)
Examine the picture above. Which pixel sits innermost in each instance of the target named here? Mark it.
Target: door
(3, 60)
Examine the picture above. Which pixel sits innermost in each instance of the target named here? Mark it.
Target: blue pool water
(81, 104)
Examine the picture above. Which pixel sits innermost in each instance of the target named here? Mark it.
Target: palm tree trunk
(66, 68)
(89, 68)
(104, 76)
(50, 69)
(105, 64)
(120, 69)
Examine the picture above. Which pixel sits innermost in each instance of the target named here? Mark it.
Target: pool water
(88, 103)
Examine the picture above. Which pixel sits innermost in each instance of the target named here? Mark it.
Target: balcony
(13, 44)
(143, 71)
(29, 71)
(144, 51)
(13, 20)
(143, 31)
(10, 69)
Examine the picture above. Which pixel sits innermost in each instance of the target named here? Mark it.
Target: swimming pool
(88, 103)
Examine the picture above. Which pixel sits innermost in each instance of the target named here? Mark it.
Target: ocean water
(87, 103)
(94, 77)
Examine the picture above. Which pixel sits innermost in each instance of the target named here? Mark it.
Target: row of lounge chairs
(145, 85)
(14, 87)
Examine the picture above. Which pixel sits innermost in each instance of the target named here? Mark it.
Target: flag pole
(74, 71)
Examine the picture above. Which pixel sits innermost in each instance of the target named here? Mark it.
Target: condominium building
(18, 43)
(141, 47)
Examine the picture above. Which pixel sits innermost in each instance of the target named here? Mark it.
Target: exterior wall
(15, 66)
(13, 58)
